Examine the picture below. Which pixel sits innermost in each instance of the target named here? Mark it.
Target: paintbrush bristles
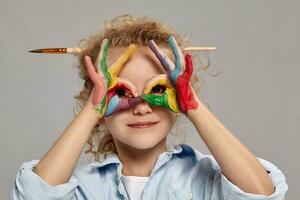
(78, 50)
(50, 50)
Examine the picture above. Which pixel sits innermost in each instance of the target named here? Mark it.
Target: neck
(138, 162)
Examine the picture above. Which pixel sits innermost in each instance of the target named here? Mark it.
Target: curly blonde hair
(121, 32)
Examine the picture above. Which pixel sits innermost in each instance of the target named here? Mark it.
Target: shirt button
(191, 195)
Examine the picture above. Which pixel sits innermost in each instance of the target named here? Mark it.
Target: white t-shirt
(135, 186)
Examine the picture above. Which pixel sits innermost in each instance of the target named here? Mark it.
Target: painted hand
(122, 96)
(178, 75)
(160, 92)
(107, 86)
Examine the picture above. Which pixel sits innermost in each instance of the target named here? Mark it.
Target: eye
(159, 89)
(121, 92)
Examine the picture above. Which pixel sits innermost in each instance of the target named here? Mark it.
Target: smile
(142, 124)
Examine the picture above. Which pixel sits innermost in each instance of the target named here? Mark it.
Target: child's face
(141, 67)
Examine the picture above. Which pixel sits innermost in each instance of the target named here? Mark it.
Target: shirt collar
(112, 158)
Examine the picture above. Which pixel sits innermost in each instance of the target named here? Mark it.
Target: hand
(106, 83)
(178, 75)
(160, 92)
(122, 96)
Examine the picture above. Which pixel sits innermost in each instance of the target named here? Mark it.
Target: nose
(142, 108)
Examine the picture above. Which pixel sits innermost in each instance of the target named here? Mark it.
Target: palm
(105, 79)
(100, 86)
(179, 73)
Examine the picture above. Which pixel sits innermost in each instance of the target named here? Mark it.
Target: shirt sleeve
(28, 185)
(231, 191)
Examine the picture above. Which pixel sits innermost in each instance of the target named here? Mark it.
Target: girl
(137, 83)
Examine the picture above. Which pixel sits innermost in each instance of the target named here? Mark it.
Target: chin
(145, 144)
(145, 141)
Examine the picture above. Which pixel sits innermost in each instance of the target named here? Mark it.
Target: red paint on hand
(185, 94)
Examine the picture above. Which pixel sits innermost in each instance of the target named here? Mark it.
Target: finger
(103, 51)
(179, 58)
(100, 91)
(117, 66)
(156, 100)
(128, 85)
(112, 105)
(116, 103)
(90, 68)
(103, 105)
(189, 67)
(165, 61)
(99, 88)
(94, 76)
(134, 101)
(160, 79)
(172, 101)
(128, 103)
(176, 50)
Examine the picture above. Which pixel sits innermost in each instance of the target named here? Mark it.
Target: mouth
(142, 124)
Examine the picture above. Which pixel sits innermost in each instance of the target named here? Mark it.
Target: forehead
(142, 65)
(143, 53)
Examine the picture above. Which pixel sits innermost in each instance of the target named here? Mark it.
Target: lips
(143, 124)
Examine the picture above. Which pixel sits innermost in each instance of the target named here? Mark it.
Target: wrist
(193, 114)
(91, 111)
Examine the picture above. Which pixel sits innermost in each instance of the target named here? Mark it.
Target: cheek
(115, 122)
(167, 116)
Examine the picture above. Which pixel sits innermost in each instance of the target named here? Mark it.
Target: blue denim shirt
(181, 172)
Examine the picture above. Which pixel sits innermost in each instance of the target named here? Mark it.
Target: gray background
(255, 96)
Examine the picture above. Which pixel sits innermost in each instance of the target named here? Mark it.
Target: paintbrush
(77, 50)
